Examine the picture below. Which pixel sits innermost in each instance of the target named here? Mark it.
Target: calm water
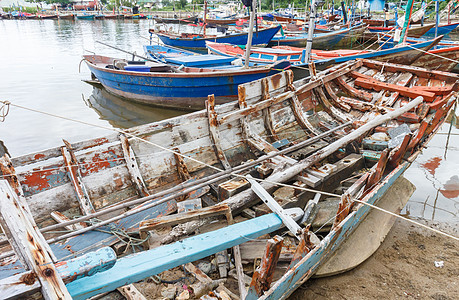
(40, 69)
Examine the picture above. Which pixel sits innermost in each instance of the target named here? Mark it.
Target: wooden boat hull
(351, 37)
(86, 17)
(417, 31)
(174, 20)
(310, 129)
(442, 29)
(67, 17)
(186, 91)
(404, 55)
(438, 61)
(261, 38)
(224, 21)
(323, 41)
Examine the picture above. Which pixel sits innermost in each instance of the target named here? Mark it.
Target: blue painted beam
(136, 267)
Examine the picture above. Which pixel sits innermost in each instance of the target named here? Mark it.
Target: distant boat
(166, 86)
(198, 41)
(321, 41)
(67, 16)
(114, 16)
(413, 31)
(44, 17)
(323, 58)
(85, 17)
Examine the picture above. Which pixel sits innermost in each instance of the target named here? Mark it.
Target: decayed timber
(26, 242)
(279, 130)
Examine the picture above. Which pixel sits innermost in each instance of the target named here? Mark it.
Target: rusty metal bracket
(133, 166)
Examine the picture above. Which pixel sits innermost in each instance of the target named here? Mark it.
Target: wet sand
(402, 267)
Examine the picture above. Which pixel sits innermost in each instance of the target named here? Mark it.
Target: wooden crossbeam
(404, 91)
(133, 166)
(252, 139)
(353, 91)
(74, 174)
(212, 117)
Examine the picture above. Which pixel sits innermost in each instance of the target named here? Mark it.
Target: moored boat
(166, 86)
(85, 16)
(306, 134)
(198, 42)
(321, 41)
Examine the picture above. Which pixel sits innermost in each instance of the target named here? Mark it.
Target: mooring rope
(433, 54)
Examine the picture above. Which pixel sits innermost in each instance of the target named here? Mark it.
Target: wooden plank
(304, 247)
(303, 88)
(61, 218)
(252, 139)
(404, 91)
(213, 131)
(353, 91)
(25, 283)
(421, 72)
(130, 292)
(262, 277)
(138, 266)
(28, 243)
(20, 285)
(198, 214)
(133, 166)
(73, 172)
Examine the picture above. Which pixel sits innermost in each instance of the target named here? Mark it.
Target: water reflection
(436, 178)
(124, 114)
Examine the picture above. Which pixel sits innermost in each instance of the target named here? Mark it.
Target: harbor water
(41, 69)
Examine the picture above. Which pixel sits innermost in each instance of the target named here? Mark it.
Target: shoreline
(402, 267)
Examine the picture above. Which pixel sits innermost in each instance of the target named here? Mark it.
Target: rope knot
(4, 110)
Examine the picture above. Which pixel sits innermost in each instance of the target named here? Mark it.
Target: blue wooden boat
(442, 29)
(321, 41)
(137, 179)
(166, 86)
(181, 57)
(197, 42)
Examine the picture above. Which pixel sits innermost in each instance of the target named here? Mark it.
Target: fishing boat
(413, 31)
(337, 143)
(198, 41)
(69, 16)
(441, 59)
(321, 41)
(224, 21)
(404, 54)
(257, 55)
(167, 86)
(443, 29)
(180, 57)
(190, 19)
(46, 17)
(85, 16)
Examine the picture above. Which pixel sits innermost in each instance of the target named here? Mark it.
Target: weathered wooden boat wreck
(328, 146)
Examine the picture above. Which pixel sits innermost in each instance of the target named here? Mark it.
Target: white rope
(409, 220)
(426, 52)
